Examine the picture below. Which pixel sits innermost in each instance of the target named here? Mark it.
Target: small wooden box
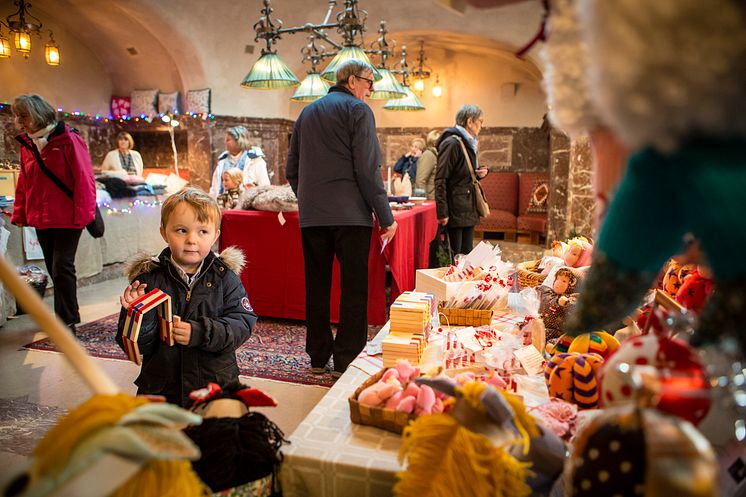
(464, 317)
(8, 183)
(431, 281)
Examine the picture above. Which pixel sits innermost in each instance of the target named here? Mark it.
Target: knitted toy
(596, 342)
(486, 445)
(573, 377)
(669, 76)
(556, 302)
(240, 448)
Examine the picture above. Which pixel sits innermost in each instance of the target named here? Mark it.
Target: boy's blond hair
(204, 206)
(234, 174)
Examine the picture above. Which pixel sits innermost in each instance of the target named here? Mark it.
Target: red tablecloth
(273, 275)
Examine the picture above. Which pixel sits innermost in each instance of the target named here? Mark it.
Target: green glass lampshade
(388, 87)
(269, 72)
(330, 73)
(312, 88)
(410, 102)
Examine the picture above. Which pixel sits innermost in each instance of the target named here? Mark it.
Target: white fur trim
(565, 80)
(662, 71)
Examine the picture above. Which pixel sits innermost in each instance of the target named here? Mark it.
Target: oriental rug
(275, 351)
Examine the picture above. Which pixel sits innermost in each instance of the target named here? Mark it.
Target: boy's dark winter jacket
(220, 314)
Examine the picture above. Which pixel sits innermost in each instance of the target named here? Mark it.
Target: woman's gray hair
(41, 112)
(468, 111)
(241, 135)
(351, 67)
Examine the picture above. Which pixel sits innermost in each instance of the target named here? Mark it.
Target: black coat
(221, 318)
(454, 191)
(334, 164)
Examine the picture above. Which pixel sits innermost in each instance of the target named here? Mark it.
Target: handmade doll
(669, 76)
(556, 302)
(232, 188)
(576, 253)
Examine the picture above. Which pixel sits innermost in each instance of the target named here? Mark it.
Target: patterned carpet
(275, 351)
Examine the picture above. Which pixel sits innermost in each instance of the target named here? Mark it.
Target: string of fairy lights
(170, 118)
(130, 208)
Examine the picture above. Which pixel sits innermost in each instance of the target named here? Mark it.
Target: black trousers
(462, 239)
(351, 245)
(59, 246)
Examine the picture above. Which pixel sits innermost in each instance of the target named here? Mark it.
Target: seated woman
(232, 188)
(407, 165)
(123, 161)
(241, 155)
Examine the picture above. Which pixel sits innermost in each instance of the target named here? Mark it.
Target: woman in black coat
(454, 192)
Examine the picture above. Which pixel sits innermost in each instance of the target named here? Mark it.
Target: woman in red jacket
(40, 203)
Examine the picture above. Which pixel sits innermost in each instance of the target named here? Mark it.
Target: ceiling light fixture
(271, 72)
(21, 26)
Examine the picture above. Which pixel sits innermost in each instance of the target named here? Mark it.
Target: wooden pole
(89, 370)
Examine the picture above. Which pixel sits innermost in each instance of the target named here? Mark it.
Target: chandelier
(270, 72)
(410, 102)
(21, 26)
(422, 72)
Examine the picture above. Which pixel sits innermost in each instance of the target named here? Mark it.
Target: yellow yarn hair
(98, 412)
(447, 460)
(164, 479)
(155, 479)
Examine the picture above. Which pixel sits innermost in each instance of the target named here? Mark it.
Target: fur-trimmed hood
(664, 71)
(232, 257)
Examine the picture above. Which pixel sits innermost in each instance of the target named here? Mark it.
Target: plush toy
(240, 448)
(577, 253)
(681, 112)
(596, 342)
(669, 77)
(671, 282)
(573, 377)
(684, 387)
(556, 302)
(486, 445)
(640, 451)
(694, 291)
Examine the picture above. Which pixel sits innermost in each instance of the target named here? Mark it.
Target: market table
(274, 277)
(330, 456)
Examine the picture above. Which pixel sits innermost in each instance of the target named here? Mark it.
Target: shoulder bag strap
(44, 168)
(468, 159)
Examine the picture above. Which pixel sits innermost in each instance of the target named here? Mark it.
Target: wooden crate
(464, 317)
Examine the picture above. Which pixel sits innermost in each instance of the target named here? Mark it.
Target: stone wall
(571, 201)
(500, 149)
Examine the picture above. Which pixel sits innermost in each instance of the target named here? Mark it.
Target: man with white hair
(334, 169)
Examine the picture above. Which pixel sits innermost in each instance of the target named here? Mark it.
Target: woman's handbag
(96, 227)
(441, 254)
(483, 208)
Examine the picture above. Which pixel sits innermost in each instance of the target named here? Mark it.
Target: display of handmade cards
(154, 299)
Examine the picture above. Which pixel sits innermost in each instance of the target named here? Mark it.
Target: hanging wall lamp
(22, 25)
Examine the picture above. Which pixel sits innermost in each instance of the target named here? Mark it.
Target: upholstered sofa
(518, 205)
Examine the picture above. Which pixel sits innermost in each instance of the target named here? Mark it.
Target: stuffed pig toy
(669, 77)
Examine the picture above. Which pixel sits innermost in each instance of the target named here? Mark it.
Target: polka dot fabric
(609, 462)
(685, 390)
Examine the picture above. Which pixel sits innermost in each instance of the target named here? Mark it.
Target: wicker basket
(528, 275)
(464, 317)
(379, 417)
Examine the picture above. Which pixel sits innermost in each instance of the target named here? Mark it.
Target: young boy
(206, 293)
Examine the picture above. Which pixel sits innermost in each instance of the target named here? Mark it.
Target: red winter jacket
(39, 202)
